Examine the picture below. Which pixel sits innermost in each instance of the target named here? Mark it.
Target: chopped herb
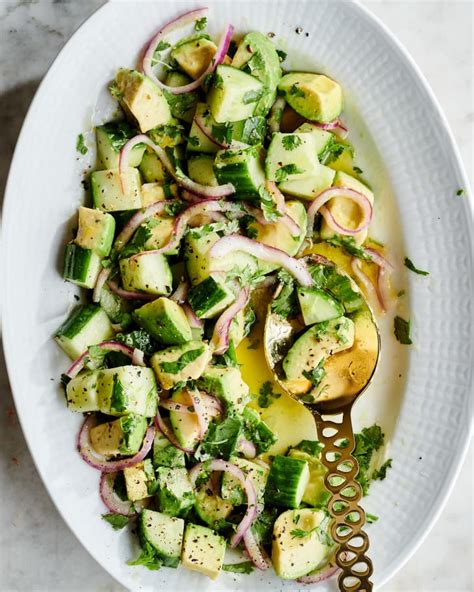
(115, 92)
(411, 266)
(251, 96)
(311, 447)
(316, 375)
(401, 293)
(173, 208)
(200, 24)
(288, 169)
(218, 81)
(266, 395)
(162, 45)
(402, 330)
(262, 527)
(295, 91)
(368, 441)
(147, 558)
(281, 54)
(117, 521)
(255, 64)
(193, 140)
(81, 145)
(267, 205)
(285, 303)
(140, 339)
(220, 440)
(460, 192)
(357, 170)
(370, 518)
(348, 244)
(333, 151)
(181, 104)
(380, 474)
(299, 533)
(291, 141)
(222, 132)
(245, 567)
(182, 361)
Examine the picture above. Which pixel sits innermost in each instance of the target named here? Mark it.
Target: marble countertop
(38, 553)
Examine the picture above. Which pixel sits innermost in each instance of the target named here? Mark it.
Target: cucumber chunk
(210, 297)
(287, 482)
(199, 141)
(175, 495)
(81, 393)
(108, 194)
(243, 168)
(96, 231)
(312, 186)
(81, 266)
(211, 508)
(291, 157)
(315, 493)
(165, 320)
(234, 95)
(203, 550)
(227, 385)
(152, 168)
(200, 169)
(231, 489)
(111, 138)
(164, 534)
(149, 273)
(318, 306)
(138, 479)
(87, 325)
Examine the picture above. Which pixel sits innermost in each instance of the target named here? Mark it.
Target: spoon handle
(349, 518)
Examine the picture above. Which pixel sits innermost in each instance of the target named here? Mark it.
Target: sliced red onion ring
(332, 125)
(319, 577)
(126, 295)
(247, 448)
(279, 199)
(218, 58)
(111, 499)
(179, 176)
(194, 321)
(379, 259)
(275, 114)
(383, 289)
(168, 433)
(136, 355)
(179, 295)
(328, 194)
(99, 462)
(235, 242)
(256, 554)
(365, 281)
(247, 485)
(100, 282)
(213, 405)
(200, 410)
(137, 220)
(220, 337)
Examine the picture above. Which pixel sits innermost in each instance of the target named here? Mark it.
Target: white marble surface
(37, 551)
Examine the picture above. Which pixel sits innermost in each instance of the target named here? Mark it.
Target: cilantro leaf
(281, 55)
(368, 441)
(251, 96)
(81, 145)
(117, 521)
(181, 104)
(173, 208)
(295, 91)
(200, 24)
(245, 567)
(370, 518)
(460, 192)
(380, 474)
(282, 173)
(316, 375)
(220, 440)
(291, 141)
(312, 447)
(324, 538)
(333, 151)
(411, 266)
(357, 170)
(266, 395)
(147, 558)
(140, 339)
(401, 329)
(348, 244)
(285, 303)
(222, 132)
(267, 205)
(181, 363)
(262, 527)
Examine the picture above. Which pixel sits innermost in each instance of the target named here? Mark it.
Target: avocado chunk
(315, 493)
(111, 138)
(313, 347)
(345, 211)
(234, 94)
(81, 266)
(295, 556)
(211, 508)
(165, 454)
(122, 436)
(243, 167)
(312, 186)
(141, 99)
(148, 273)
(314, 96)
(127, 389)
(114, 193)
(175, 495)
(278, 235)
(194, 54)
(291, 157)
(87, 325)
(231, 489)
(165, 320)
(185, 426)
(81, 393)
(137, 480)
(198, 140)
(203, 550)
(287, 482)
(181, 363)
(318, 306)
(164, 534)
(210, 297)
(96, 231)
(156, 191)
(227, 385)
(256, 430)
(322, 139)
(257, 56)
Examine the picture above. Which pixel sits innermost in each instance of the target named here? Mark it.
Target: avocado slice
(194, 54)
(122, 436)
(96, 230)
(165, 320)
(211, 508)
(203, 550)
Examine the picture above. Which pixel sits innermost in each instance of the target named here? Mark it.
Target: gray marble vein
(38, 553)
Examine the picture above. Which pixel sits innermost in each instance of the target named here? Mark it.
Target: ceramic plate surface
(408, 153)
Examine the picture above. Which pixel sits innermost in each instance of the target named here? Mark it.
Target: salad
(220, 172)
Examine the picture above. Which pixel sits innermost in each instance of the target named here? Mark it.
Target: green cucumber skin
(205, 296)
(76, 262)
(283, 479)
(77, 321)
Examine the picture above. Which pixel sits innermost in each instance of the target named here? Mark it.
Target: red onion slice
(235, 242)
(100, 282)
(365, 281)
(168, 433)
(99, 462)
(200, 410)
(179, 295)
(220, 337)
(174, 406)
(137, 220)
(247, 448)
(194, 321)
(247, 485)
(279, 199)
(213, 405)
(111, 499)
(359, 198)
(179, 176)
(379, 259)
(256, 554)
(218, 58)
(136, 355)
(332, 125)
(127, 295)
(319, 577)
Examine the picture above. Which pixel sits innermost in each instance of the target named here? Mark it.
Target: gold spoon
(348, 374)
